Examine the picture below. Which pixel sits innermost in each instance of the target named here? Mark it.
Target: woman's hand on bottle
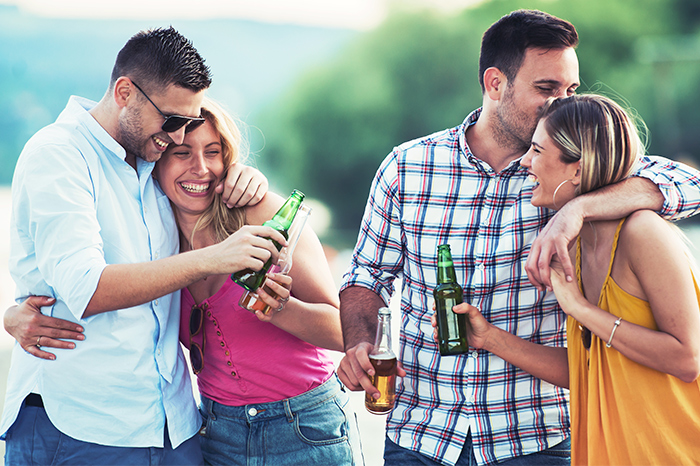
(248, 248)
(275, 292)
(478, 327)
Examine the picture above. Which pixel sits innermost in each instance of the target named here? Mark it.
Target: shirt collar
(79, 109)
(512, 168)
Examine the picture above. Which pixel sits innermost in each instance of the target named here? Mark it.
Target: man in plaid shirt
(464, 186)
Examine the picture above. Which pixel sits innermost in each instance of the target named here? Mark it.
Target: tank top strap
(614, 247)
(578, 264)
(612, 254)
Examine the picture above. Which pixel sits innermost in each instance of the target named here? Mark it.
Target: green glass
(452, 328)
(251, 279)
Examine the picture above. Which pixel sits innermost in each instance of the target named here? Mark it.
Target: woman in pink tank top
(267, 383)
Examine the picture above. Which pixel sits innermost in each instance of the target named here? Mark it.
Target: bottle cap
(384, 311)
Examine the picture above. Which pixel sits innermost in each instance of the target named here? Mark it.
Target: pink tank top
(248, 361)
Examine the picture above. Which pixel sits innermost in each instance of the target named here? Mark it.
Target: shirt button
(474, 354)
(222, 344)
(156, 255)
(233, 373)
(252, 411)
(155, 302)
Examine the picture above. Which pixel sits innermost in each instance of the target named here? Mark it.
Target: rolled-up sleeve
(56, 213)
(679, 184)
(378, 256)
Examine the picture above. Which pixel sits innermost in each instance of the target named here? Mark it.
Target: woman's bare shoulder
(264, 210)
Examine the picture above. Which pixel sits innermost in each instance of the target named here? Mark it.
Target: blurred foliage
(417, 74)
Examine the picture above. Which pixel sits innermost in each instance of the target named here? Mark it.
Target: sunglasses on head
(173, 123)
(196, 326)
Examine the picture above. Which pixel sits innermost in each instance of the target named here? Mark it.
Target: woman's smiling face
(552, 175)
(189, 173)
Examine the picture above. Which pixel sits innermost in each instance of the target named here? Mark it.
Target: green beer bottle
(249, 278)
(452, 328)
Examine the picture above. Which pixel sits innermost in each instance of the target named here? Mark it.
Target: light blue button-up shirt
(77, 207)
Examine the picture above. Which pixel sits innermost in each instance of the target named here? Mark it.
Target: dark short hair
(157, 58)
(504, 44)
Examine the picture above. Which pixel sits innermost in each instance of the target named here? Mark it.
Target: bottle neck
(382, 343)
(284, 217)
(446, 272)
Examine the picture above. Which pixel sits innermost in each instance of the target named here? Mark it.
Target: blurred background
(326, 88)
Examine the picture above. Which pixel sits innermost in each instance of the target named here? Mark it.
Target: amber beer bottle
(452, 328)
(282, 220)
(383, 361)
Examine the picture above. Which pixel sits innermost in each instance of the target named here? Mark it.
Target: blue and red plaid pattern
(432, 191)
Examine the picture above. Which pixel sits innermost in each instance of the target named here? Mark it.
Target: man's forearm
(619, 200)
(126, 285)
(358, 315)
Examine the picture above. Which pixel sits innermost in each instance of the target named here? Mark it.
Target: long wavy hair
(224, 221)
(598, 132)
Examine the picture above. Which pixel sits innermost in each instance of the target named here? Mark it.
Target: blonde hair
(224, 221)
(599, 133)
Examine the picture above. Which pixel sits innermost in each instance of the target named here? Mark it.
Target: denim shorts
(315, 428)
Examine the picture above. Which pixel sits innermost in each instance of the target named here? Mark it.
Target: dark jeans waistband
(34, 399)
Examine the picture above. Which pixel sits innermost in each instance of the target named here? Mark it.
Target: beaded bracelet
(612, 334)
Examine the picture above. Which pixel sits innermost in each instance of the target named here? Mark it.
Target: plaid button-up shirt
(432, 191)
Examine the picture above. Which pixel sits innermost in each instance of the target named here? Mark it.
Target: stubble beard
(131, 138)
(513, 128)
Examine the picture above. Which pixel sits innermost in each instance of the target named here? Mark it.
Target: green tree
(417, 74)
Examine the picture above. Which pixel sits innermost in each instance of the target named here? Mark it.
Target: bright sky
(352, 14)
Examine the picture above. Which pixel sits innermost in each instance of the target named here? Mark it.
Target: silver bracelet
(612, 334)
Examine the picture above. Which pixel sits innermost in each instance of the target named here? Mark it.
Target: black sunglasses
(196, 326)
(173, 123)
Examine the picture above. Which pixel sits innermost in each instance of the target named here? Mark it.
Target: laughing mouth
(160, 143)
(532, 178)
(196, 188)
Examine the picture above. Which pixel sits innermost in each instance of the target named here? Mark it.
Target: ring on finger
(38, 341)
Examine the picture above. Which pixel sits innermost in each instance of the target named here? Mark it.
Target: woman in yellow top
(633, 330)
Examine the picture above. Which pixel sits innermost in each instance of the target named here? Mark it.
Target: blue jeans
(33, 440)
(558, 455)
(314, 428)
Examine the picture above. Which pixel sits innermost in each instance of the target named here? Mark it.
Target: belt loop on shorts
(288, 410)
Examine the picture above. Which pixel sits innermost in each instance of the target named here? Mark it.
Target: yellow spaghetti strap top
(624, 413)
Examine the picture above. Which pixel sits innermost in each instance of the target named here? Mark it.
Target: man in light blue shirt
(91, 229)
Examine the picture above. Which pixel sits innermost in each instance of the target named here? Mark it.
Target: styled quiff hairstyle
(504, 44)
(224, 221)
(157, 58)
(596, 131)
